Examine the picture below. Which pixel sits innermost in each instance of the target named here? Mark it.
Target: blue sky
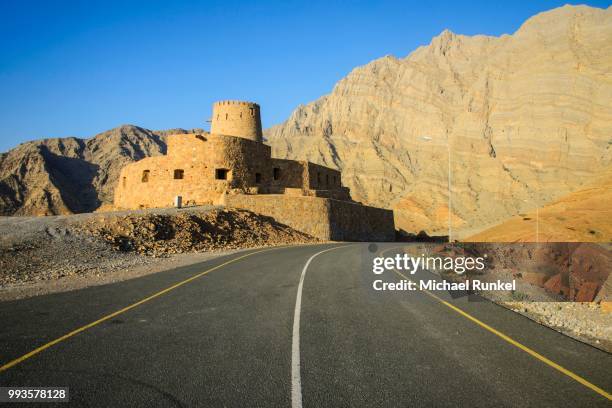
(76, 68)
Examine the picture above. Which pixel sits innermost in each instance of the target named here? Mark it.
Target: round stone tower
(237, 118)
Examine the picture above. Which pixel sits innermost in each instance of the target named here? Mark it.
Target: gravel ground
(46, 254)
(56, 250)
(584, 321)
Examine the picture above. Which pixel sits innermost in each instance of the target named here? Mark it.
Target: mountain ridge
(526, 118)
(526, 115)
(69, 175)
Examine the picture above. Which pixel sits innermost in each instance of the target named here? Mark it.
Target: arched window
(179, 174)
(276, 173)
(145, 176)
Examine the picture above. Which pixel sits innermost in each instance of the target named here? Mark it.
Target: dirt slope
(582, 216)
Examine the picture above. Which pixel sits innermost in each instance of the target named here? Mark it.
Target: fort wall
(231, 166)
(191, 168)
(198, 167)
(322, 178)
(350, 221)
(323, 218)
(287, 174)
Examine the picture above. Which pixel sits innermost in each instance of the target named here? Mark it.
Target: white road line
(296, 378)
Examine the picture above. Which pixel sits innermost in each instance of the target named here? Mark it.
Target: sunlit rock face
(526, 118)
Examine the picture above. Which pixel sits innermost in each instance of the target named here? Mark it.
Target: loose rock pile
(163, 234)
(50, 248)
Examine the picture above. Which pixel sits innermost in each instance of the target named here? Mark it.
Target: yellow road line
(515, 343)
(125, 309)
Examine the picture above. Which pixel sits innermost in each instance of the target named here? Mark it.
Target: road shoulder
(122, 273)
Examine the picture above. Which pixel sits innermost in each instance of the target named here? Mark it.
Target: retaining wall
(323, 218)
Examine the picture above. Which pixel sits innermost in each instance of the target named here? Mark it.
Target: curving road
(263, 328)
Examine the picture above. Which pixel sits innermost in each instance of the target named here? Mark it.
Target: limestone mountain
(70, 175)
(526, 118)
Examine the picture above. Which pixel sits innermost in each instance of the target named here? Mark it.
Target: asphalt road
(227, 339)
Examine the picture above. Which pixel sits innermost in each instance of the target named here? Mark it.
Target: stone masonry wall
(323, 218)
(152, 182)
(198, 156)
(305, 214)
(322, 178)
(350, 221)
(290, 174)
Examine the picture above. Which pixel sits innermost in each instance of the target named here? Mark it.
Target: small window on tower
(257, 178)
(252, 110)
(145, 176)
(226, 116)
(179, 174)
(221, 174)
(276, 173)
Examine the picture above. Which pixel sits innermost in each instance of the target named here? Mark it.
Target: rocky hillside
(71, 175)
(581, 216)
(34, 248)
(526, 118)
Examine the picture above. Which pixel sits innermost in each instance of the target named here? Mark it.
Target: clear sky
(76, 68)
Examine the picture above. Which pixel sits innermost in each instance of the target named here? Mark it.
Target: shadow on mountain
(73, 177)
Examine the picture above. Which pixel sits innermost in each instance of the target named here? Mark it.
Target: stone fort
(231, 166)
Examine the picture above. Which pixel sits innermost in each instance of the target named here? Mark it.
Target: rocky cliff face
(525, 118)
(69, 175)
